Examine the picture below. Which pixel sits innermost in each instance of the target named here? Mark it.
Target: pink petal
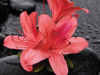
(17, 42)
(46, 25)
(36, 55)
(76, 44)
(24, 65)
(57, 6)
(68, 26)
(76, 15)
(27, 25)
(58, 64)
(73, 23)
(72, 10)
(62, 32)
(64, 19)
(33, 18)
(39, 38)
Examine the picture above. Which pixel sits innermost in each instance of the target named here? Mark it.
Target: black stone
(85, 63)
(18, 6)
(40, 0)
(96, 41)
(1, 40)
(4, 6)
(5, 1)
(87, 37)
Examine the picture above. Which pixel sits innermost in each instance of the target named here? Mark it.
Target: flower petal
(64, 19)
(68, 27)
(27, 25)
(36, 55)
(73, 23)
(24, 65)
(58, 64)
(57, 6)
(76, 44)
(72, 10)
(17, 42)
(33, 18)
(46, 25)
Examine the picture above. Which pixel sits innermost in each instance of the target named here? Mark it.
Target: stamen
(16, 46)
(60, 35)
(20, 31)
(69, 42)
(56, 33)
(61, 45)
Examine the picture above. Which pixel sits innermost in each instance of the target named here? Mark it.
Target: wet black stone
(4, 6)
(11, 66)
(18, 6)
(96, 41)
(40, 0)
(87, 37)
(5, 1)
(94, 36)
(1, 39)
(85, 63)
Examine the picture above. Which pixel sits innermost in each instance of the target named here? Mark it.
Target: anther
(52, 34)
(64, 39)
(56, 33)
(52, 43)
(12, 39)
(69, 42)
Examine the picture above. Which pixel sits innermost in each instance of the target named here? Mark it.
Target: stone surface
(89, 24)
(18, 6)
(85, 63)
(1, 39)
(4, 5)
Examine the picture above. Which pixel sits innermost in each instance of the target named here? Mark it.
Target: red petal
(17, 42)
(73, 23)
(33, 18)
(27, 25)
(24, 65)
(46, 25)
(76, 15)
(64, 19)
(39, 37)
(76, 45)
(72, 10)
(36, 55)
(58, 64)
(57, 6)
(67, 28)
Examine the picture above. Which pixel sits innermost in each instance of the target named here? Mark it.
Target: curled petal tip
(86, 10)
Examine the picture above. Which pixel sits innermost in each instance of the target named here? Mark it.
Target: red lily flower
(57, 41)
(60, 8)
(29, 39)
